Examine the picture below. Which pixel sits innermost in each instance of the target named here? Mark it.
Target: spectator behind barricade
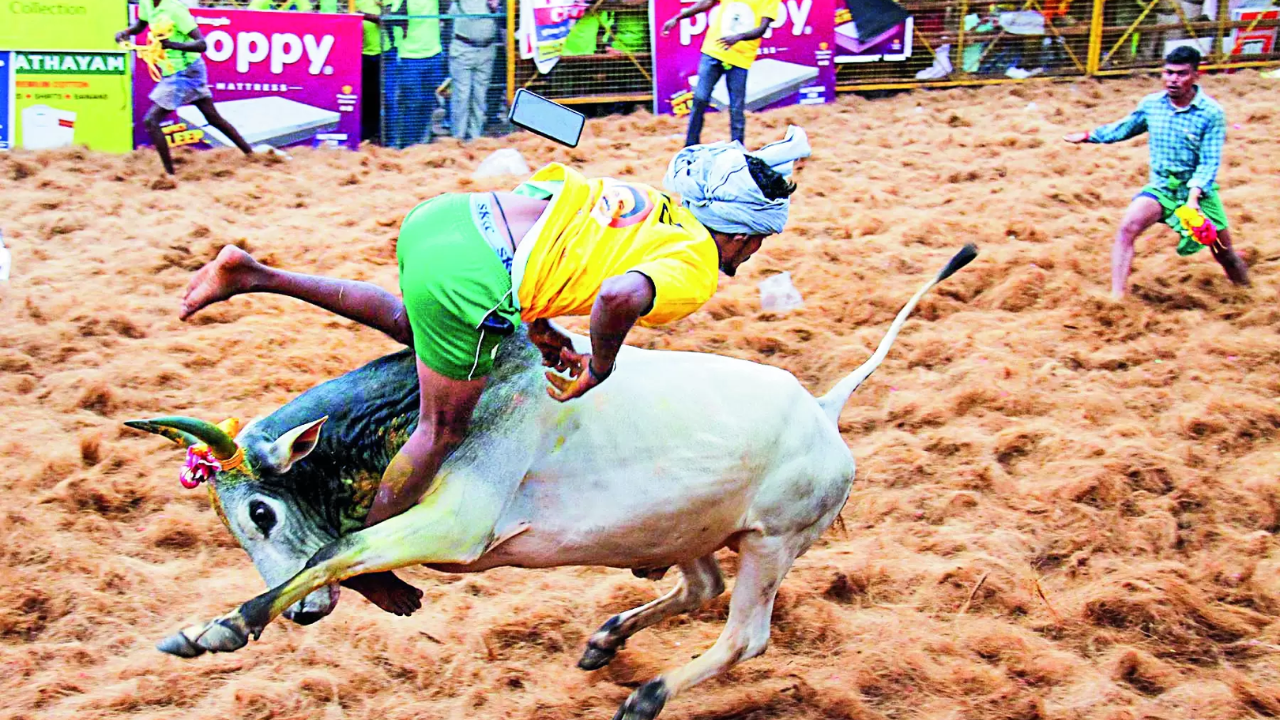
(584, 35)
(629, 32)
(734, 30)
(471, 57)
(611, 26)
(375, 43)
(420, 69)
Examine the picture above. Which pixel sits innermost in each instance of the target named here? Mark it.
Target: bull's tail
(833, 402)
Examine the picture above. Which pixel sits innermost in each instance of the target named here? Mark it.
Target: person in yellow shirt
(473, 266)
(733, 39)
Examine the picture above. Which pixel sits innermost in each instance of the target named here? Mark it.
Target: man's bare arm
(622, 301)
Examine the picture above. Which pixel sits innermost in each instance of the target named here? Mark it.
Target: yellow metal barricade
(1136, 34)
(605, 60)
(959, 42)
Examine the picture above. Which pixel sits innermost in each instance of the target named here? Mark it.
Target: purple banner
(794, 64)
(280, 78)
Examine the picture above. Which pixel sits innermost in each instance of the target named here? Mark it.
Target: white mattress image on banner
(768, 82)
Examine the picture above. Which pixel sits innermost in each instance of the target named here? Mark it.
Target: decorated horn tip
(190, 431)
(178, 437)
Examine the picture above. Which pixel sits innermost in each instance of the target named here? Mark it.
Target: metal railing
(459, 90)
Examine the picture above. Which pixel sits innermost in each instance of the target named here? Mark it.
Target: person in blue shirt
(1188, 129)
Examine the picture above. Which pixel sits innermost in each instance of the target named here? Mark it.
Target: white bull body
(674, 457)
(665, 463)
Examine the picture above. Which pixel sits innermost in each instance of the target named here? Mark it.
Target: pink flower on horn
(201, 466)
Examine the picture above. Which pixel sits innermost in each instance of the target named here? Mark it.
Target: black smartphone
(547, 118)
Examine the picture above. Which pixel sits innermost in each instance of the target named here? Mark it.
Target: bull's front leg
(454, 523)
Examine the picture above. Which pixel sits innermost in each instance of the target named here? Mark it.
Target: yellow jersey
(734, 17)
(597, 229)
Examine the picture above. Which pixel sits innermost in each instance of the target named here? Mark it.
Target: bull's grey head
(251, 488)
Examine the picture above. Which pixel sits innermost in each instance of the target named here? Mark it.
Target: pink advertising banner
(281, 78)
(793, 67)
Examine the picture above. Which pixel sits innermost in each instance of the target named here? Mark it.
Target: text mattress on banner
(281, 78)
(793, 65)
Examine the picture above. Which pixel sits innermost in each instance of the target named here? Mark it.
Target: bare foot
(387, 591)
(230, 273)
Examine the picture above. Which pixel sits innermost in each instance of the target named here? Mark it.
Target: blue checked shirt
(1186, 143)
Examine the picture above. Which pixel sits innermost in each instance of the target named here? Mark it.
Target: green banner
(58, 63)
(67, 98)
(62, 24)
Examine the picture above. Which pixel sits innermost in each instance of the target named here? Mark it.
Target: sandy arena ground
(1065, 508)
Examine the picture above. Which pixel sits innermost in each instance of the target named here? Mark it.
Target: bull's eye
(263, 516)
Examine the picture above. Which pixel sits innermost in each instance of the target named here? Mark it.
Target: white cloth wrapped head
(715, 183)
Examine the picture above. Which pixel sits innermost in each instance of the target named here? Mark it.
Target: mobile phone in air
(547, 118)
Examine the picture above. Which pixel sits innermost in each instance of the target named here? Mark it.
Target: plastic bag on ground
(507, 161)
(777, 294)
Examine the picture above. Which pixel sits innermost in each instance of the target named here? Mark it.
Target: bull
(677, 456)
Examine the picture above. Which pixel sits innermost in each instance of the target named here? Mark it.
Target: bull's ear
(294, 445)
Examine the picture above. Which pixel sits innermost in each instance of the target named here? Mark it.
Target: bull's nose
(305, 617)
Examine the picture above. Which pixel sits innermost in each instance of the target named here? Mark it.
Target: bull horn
(188, 431)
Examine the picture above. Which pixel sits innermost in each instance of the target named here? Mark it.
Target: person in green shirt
(584, 35)
(419, 71)
(185, 80)
(620, 26)
(629, 32)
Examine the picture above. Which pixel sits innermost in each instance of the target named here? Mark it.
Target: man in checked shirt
(1187, 130)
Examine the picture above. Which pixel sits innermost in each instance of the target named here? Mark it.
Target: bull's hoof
(224, 635)
(594, 658)
(645, 703)
(181, 645)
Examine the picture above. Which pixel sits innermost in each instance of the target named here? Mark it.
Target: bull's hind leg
(455, 523)
(764, 562)
(700, 581)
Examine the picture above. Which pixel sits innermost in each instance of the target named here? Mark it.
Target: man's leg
(736, 79)
(214, 118)
(235, 272)
(1226, 256)
(481, 74)
(1223, 252)
(709, 72)
(418, 82)
(437, 69)
(158, 139)
(1143, 212)
(460, 103)
(444, 414)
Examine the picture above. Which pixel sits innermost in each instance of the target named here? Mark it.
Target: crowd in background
(434, 69)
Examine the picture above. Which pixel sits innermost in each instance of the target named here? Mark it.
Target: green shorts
(456, 291)
(1171, 197)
